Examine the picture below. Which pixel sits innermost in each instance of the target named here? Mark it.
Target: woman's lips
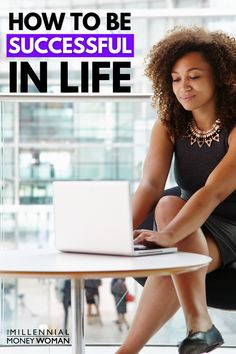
(187, 98)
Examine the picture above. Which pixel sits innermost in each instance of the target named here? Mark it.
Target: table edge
(103, 274)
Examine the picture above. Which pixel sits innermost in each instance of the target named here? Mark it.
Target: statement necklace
(202, 137)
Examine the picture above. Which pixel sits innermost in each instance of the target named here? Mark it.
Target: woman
(193, 72)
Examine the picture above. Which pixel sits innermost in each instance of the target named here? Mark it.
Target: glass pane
(44, 121)
(9, 114)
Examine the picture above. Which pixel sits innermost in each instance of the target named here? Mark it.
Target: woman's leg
(190, 287)
(158, 303)
(159, 295)
(125, 321)
(120, 322)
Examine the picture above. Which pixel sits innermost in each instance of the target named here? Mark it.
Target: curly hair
(219, 50)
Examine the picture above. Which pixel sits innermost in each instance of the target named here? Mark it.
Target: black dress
(192, 167)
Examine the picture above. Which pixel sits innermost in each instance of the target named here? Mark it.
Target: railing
(63, 97)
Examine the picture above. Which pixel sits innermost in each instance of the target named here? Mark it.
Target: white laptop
(95, 217)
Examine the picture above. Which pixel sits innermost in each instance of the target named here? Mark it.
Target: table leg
(77, 311)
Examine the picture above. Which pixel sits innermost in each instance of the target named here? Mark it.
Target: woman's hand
(143, 236)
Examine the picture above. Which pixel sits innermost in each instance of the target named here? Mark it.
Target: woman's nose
(185, 85)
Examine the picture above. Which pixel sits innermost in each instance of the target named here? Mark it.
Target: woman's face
(193, 82)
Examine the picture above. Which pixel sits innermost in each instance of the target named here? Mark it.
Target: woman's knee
(167, 208)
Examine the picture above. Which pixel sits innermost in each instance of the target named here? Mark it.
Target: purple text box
(69, 45)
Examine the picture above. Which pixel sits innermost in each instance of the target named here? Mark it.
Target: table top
(52, 263)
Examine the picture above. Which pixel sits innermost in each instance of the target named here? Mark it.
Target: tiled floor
(99, 350)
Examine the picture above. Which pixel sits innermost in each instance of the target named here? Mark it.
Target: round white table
(77, 267)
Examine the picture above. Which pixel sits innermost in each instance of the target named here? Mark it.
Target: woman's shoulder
(160, 130)
(232, 134)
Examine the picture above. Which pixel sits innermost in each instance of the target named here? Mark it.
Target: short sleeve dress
(192, 166)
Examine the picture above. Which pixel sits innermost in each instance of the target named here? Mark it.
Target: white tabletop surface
(52, 263)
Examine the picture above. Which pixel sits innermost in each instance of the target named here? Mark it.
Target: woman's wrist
(166, 238)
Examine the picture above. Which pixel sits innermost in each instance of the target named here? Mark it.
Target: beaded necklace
(202, 137)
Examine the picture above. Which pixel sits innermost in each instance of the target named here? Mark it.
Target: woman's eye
(194, 77)
(175, 79)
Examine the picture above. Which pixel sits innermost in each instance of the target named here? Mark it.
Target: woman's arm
(219, 185)
(155, 172)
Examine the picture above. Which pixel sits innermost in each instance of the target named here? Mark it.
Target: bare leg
(159, 294)
(89, 310)
(158, 297)
(89, 313)
(98, 312)
(120, 320)
(190, 287)
(125, 321)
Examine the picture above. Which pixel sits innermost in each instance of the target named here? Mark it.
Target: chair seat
(221, 288)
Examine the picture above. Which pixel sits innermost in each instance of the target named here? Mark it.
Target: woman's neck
(204, 120)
